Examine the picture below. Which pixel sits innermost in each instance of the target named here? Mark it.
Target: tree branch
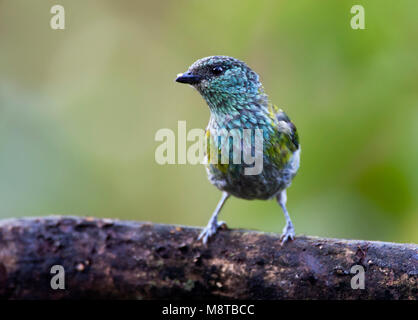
(115, 259)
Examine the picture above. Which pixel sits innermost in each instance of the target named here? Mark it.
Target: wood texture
(134, 260)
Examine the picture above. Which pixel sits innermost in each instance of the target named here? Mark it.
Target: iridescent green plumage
(237, 102)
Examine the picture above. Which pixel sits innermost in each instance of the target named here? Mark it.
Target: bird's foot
(210, 230)
(288, 233)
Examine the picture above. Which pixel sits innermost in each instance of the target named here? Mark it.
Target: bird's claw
(288, 233)
(210, 230)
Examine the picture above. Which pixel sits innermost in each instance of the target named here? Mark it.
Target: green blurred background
(79, 110)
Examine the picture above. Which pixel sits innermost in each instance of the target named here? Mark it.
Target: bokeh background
(79, 110)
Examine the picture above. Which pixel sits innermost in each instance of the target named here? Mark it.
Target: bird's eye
(217, 70)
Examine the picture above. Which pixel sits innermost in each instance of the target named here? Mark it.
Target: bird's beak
(188, 77)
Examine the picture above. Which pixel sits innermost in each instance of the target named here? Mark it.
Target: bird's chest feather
(228, 174)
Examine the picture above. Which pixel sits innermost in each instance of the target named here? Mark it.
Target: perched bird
(237, 101)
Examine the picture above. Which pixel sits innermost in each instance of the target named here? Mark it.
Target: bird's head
(224, 82)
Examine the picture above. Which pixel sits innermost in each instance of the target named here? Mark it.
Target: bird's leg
(213, 224)
(288, 230)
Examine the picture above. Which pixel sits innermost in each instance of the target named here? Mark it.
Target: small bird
(237, 101)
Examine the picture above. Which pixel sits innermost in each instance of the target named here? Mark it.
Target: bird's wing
(284, 141)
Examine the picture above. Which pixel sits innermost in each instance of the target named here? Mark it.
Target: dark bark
(134, 260)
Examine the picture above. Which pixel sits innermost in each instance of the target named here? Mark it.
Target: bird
(237, 101)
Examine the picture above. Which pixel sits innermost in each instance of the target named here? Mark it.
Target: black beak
(188, 77)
